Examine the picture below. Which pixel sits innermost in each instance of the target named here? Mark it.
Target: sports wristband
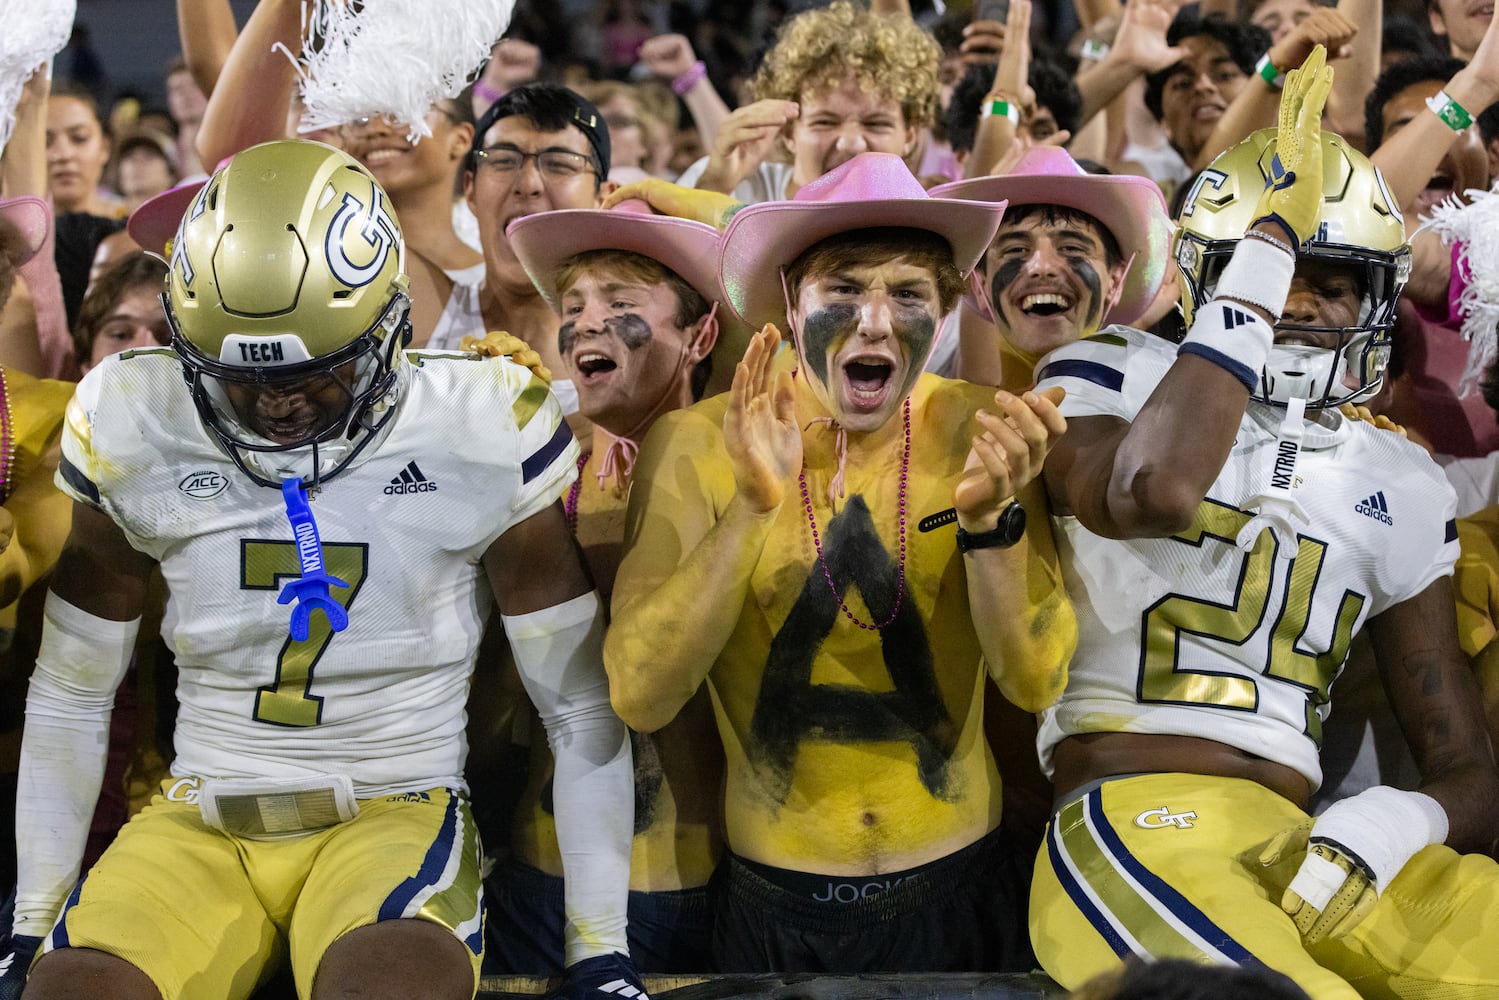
(1258, 273)
(689, 78)
(1094, 49)
(1002, 109)
(484, 91)
(1381, 828)
(1453, 114)
(1266, 71)
(1232, 337)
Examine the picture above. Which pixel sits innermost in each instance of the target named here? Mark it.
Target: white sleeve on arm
(82, 660)
(559, 652)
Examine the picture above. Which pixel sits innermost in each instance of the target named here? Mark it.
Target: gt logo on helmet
(180, 259)
(376, 229)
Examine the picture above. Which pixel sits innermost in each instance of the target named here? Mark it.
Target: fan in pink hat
(836, 552)
(638, 299)
(1075, 252)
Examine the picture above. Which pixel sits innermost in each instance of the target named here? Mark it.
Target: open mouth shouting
(868, 380)
(593, 366)
(1045, 304)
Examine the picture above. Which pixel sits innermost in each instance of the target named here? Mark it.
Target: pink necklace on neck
(900, 592)
(570, 505)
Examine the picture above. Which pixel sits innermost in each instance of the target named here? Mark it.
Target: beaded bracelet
(689, 78)
(1453, 114)
(1002, 109)
(1266, 71)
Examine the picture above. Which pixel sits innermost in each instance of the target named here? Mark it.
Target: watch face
(1012, 523)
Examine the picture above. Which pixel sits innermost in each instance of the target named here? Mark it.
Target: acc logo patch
(203, 485)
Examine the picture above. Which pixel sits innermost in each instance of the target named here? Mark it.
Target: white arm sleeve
(559, 651)
(82, 660)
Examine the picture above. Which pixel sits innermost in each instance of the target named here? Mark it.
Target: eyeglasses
(557, 164)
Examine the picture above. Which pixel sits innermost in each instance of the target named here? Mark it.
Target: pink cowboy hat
(1131, 208)
(31, 216)
(544, 240)
(871, 190)
(154, 223)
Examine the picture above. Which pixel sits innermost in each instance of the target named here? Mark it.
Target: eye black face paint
(567, 335)
(917, 335)
(790, 709)
(1003, 278)
(821, 329)
(1089, 277)
(630, 329)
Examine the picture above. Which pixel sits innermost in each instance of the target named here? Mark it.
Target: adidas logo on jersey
(411, 480)
(620, 988)
(1376, 508)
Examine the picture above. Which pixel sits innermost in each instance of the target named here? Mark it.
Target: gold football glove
(499, 344)
(1351, 900)
(1293, 192)
(708, 207)
(1355, 412)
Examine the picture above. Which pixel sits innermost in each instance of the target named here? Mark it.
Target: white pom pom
(393, 57)
(35, 31)
(1475, 229)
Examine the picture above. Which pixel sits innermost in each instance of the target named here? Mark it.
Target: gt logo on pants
(183, 790)
(1159, 819)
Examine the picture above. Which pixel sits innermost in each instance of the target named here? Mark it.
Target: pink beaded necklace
(900, 592)
(570, 505)
(7, 441)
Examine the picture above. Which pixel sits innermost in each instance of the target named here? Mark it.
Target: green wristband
(1453, 114)
(1267, 72)
(1003, 109)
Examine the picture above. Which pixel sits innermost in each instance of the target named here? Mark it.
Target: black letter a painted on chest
(791, 708)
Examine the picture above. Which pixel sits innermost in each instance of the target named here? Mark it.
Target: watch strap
(1008, 531)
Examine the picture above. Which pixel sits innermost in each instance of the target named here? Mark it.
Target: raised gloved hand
(708, 207)
(1353, 411)
(16, 953)
(499, 344)
(1293, 192)
(1353, 851)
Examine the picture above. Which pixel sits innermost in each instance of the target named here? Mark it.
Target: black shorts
(669, 931)
(963, 913)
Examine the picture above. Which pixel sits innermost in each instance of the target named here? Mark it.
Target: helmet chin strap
(1276, 507)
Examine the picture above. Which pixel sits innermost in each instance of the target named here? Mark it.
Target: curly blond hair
(887, 54)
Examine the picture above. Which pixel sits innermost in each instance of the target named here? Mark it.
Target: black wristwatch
(1007, 532)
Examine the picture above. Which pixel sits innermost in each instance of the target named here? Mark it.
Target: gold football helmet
(288, 277)
(1361, 230)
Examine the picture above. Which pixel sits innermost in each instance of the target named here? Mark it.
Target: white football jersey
(476, 446)
(1190, 635)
